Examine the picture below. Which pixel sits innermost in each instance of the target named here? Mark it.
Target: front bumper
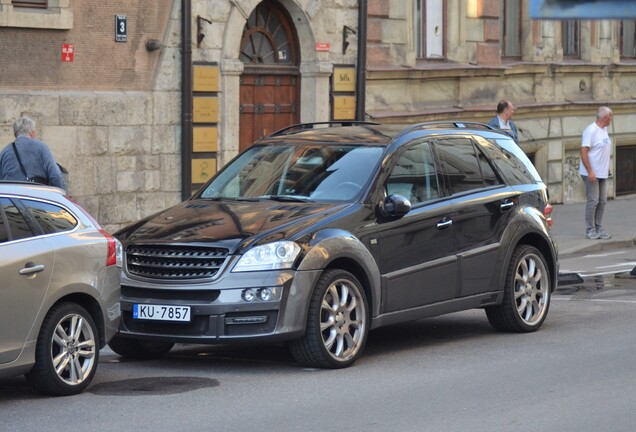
(219, 314)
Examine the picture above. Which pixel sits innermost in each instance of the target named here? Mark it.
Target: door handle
(506, 205)
(444, 223)
(31, 268)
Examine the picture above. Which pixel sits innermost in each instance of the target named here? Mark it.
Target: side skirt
(437, 309)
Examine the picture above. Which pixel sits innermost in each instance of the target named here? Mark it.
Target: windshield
(297, 172)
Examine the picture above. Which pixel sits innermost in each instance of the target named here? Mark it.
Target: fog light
(249, 295)
(265, 294)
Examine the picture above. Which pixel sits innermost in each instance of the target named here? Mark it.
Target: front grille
(174, 262)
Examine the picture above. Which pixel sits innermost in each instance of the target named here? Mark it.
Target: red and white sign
(323, 47)
(68, 51)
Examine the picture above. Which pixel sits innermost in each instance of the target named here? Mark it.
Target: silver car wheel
(531, 289)
(73, 348)
(342, 320)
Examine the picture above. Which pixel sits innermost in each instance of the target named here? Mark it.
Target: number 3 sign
(121, 28)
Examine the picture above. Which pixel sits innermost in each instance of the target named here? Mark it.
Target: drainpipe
(361, 78)
(186, 99)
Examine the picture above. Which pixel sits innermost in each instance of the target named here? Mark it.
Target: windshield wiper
(286, 198)
(220, 198)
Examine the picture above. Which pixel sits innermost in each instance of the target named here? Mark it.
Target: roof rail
(303, 126)
(449, 124)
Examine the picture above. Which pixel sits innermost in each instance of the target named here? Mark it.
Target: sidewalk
(568, 227)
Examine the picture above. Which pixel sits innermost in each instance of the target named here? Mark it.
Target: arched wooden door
(270, 84)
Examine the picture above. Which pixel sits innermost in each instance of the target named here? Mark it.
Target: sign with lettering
(205, 139)
(205, 78)
(344, 79)
(206, 110)
(68, 52)
(121, 28)
(203, 170)
(323, 47)
(344, 107)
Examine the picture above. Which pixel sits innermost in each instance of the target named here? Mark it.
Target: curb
(597, 246)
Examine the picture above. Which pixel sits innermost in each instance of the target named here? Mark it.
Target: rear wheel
(526, 293)
(67, 351)
(337, 323)
(139, 349)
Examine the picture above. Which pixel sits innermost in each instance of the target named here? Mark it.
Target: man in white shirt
(596, 147)
(503, 119)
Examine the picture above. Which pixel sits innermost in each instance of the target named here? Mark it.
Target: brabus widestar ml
(320, 233)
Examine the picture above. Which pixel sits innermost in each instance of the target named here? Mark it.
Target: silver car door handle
(32, 269)
(444, 223)
(505, 206)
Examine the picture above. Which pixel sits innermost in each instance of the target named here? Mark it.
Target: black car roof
(362, 133)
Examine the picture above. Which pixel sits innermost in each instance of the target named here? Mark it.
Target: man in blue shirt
(503, 119)
(36, 157)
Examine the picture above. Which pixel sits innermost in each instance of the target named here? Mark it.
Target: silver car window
(18, 226)
(51, 218)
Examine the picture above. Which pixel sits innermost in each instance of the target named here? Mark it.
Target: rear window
(513, 162)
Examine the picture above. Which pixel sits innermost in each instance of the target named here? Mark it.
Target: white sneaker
(592, 234)
(603, 235)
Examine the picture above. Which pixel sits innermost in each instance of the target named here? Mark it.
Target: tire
(527, 293)
(139, 349)
(66, 352)
(337, 323)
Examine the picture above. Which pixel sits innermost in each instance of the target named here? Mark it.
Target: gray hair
(603, 112)
(23, 126)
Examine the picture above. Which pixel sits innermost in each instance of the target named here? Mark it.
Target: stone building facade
(112, 115)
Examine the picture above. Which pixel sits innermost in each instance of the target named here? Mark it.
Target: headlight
(271, 256)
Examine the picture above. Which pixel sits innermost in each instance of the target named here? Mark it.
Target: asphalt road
(452, 373)
(600, 263)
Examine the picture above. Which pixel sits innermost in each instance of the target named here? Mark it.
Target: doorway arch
(270, 82)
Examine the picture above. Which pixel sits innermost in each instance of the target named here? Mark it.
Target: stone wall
(121, 147)
(555, 97)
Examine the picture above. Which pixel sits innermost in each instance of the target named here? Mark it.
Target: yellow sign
(344, 107)
(203, 170)
(205, 78)
(205, 139)
(344, 79)
(206, 110)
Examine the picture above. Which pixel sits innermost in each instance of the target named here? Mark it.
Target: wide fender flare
(330, 245)
(528, 220)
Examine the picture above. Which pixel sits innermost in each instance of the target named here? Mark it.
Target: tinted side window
(490, 177)
(51, 218)
(461, 164)
(415, 175)
(18, 226)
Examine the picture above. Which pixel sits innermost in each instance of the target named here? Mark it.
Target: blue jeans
(596, 194)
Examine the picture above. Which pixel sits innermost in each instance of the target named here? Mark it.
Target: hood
(229, 222)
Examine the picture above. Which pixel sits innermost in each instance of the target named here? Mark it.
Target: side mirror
(395, 206)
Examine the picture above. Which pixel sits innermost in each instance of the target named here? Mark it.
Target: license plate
(161, 312)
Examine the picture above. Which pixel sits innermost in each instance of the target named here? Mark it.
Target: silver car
(59, 288)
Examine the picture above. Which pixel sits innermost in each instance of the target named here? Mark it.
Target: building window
(628, 31)
(429, 29)
(39, 14)
(571, 38)
(42, 4)
(511, 28)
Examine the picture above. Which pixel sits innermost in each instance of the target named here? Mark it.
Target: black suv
(321, 232)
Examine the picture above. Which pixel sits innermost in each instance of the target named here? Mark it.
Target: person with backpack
(28, 158)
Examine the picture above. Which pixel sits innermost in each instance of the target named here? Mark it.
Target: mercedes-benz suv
(320, 233)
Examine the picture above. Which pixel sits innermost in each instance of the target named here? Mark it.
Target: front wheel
(337, 323)
(526, 293)
(66, 353)
(139, 349)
